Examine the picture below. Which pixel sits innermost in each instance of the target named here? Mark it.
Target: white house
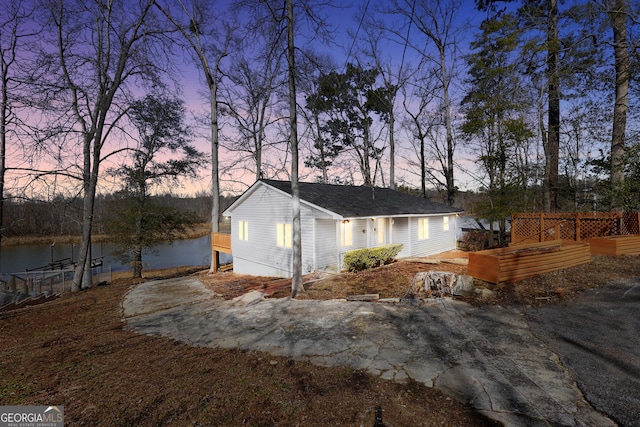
(335, 219)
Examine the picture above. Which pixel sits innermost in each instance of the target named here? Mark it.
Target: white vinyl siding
(326, 245)
(401, 235)
(438, 241)
(263, 209)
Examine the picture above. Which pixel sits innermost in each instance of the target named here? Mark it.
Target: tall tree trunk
(323, 157)
(215, 174)
(212, 84)
(423, 167)
(84, 252)
(4, 114)
(137, 250)
(553, 139)
(258, 158)
(296, 281)
(366, 163)
(618, 17)
(392, 150)
(543, 140)
(137, 262)
(449, 179)
(211, 76)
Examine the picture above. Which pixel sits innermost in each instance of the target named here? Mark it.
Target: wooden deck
(522, 261)
(616, 245)
(220, 242)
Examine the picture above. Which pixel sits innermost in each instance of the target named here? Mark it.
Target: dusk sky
(346, 20)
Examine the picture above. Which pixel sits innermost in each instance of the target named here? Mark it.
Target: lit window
(284, 235)
(423, 228)
(243, 230)
(382, 232)
(346, 233)
(445, 223)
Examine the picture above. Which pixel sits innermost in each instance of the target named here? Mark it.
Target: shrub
(361, 259)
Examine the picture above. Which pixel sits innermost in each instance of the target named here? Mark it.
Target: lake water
(15, 259)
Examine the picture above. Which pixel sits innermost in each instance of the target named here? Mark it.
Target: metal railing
(16, 287)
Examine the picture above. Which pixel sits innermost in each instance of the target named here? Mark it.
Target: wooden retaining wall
(616, 245)
(520, 262)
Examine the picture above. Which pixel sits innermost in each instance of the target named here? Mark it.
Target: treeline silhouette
(63, 216)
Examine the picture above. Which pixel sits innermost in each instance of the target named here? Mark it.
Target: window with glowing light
(243, 230)
(283, 235)
(423, 228)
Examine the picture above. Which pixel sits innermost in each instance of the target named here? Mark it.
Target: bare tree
(100, 49)
(296, 281)
(14, 35)
(393, 78)
(438, 23)
(249, 99)
(209, 39)
(421, 123)
(285, 17)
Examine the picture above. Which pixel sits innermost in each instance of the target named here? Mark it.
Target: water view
(15, 259)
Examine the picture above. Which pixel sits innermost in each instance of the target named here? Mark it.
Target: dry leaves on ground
(75, 351)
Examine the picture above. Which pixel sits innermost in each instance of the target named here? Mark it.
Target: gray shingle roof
(353, 202)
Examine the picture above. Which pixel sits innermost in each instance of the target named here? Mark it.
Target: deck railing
(221, 242)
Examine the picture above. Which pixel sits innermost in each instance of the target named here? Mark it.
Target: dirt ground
(75, 351)
(394, 280)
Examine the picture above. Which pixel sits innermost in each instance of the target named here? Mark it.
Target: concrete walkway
(487, 357)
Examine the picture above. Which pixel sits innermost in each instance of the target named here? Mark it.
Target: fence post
(578, 232)
(619, 222)
(541, 231)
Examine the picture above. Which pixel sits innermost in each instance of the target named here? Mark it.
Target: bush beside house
(362, 259)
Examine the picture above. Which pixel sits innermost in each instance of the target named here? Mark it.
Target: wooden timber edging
(615, 245)
(520, 262)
